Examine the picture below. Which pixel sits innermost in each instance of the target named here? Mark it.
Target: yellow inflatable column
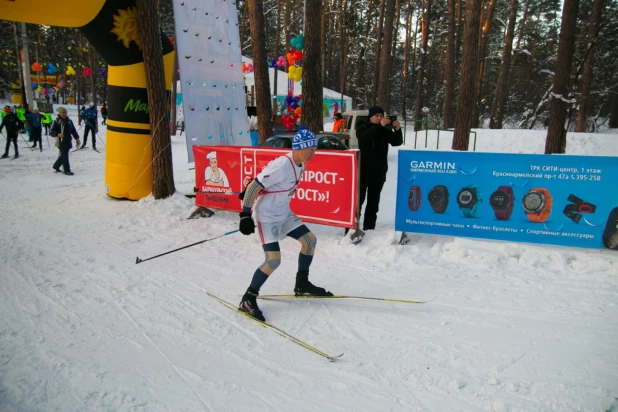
(128, 163)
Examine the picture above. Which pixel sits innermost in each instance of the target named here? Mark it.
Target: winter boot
(248, 304)
(4, 156)
(16, 156)
(305, 288)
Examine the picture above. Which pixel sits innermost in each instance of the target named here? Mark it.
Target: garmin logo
(433, 167)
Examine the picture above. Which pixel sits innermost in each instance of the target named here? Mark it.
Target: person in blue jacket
(34, 120)
(89, 116)
(63, 127)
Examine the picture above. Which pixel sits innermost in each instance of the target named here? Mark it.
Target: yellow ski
(277, 330)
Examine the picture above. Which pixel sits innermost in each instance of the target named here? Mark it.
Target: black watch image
(438, 198)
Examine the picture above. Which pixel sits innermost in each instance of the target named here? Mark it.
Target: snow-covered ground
(514, 327)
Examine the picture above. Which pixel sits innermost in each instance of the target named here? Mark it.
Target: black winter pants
(371, 191)
(11, 138)
(94, 136)
(63, 160)
(36, 136)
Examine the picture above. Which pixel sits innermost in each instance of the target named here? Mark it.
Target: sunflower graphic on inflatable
(126, 28)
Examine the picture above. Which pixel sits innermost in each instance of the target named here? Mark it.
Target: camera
(393, 118)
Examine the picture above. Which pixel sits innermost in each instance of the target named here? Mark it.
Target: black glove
(246, 226)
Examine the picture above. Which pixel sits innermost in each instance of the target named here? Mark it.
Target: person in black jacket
(13, 126)
(63, 127)
(373, 140)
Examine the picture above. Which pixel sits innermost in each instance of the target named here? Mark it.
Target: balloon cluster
(102, 71)
(295, 73)
(288, 121)
(298, 42)
(86, 71)
(70, 71)
(247, 68)
(292, 102)
(280, 62)
(51, 69)
(294, 56)
(36, 67)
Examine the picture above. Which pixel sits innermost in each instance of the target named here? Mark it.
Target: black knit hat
(375, 110)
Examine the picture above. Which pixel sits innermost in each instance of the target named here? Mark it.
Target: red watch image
(414, 199)
(502, 202)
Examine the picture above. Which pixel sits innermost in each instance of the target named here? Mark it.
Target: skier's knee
(273, 260)
(308, 242)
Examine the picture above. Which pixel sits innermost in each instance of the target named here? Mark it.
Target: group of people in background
(19, 119)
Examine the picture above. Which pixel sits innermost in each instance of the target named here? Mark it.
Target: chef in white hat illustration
(213, 175)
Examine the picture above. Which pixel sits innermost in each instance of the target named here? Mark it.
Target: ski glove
(246, 226)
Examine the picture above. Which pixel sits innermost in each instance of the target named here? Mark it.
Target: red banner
(326, 194)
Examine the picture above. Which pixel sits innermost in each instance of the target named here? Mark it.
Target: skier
(273, 188)
(64, 128)
(13, 125)
(90, 120)
(104, 113)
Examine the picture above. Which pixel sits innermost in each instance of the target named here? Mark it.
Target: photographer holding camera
(373, 140)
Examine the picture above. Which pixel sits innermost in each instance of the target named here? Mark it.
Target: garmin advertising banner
(549, 199)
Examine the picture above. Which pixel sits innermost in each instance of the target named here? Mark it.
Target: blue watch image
(469, 200)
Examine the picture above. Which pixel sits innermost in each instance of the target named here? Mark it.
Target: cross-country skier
(273, 188)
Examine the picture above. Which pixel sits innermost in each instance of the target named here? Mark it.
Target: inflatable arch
(111, 28)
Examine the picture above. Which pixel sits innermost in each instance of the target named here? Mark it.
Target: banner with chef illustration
(550, 199)
(326, 194)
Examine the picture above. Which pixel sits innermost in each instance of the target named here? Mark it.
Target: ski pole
(138, 260)
(5, 138)
(99, 136)
(29, 147)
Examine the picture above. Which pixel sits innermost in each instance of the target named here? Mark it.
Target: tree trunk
(584, 100)
(162, 170)
(613, 114)
(376, 67)
(275, 69)
(467, 80)
(385, 69)
(556, 134)
(342, 51)
(260, 69)
(418, 105)
(312, 82)
(497, 108)
(406, 56)
(360, 74)
(449, 75)
(93, 76)
(485, 31)
(323, 41)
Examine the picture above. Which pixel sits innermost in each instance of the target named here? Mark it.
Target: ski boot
(305, 288)
(248, 304)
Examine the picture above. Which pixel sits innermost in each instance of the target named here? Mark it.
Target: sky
(512, 327)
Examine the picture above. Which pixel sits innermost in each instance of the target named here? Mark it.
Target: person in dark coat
(34, 120)
(64, 128)
(13, 126)
(374, 137)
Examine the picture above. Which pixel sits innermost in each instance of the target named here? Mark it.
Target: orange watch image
(537, 204)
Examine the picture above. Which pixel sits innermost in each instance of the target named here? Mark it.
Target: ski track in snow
(514, 327)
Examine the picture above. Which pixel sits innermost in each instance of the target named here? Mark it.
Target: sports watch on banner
(469, 200)
(438, 198)
(537, 204)
(502, 202)
(414, 199)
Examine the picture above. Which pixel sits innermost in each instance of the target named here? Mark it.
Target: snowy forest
(405, 55)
